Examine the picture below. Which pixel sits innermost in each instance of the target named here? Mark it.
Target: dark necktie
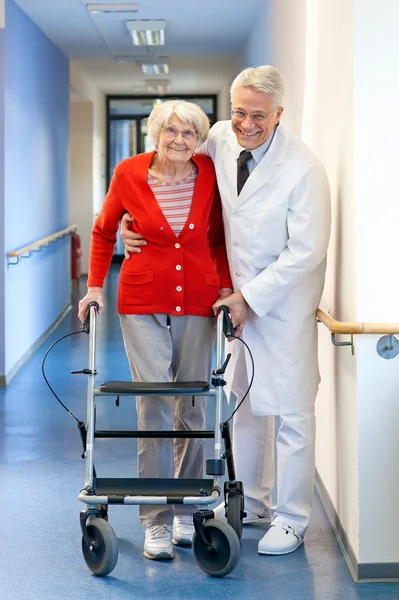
(242, 169)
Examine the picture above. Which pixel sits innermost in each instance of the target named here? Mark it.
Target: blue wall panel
(2, 261)
(36, 181)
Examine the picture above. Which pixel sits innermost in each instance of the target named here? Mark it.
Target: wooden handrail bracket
(26, 251)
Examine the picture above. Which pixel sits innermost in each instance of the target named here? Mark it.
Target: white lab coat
(277, 233)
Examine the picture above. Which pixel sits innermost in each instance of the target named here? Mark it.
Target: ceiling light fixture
(154, 66)
(147, 32)
(158, 86)
(120, 7)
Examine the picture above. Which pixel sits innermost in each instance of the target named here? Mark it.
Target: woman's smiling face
(176, 149)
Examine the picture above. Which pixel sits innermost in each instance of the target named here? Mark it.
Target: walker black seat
(174, 489)
(174, 388)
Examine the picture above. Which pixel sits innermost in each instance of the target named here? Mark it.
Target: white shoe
(183, 530)
(158, 542)
(250, 519)
(279, 539)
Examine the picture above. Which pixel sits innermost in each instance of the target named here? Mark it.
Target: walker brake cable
(85, 328)
(228, 331)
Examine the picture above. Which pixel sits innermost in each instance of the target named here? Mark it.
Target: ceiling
(202, 39)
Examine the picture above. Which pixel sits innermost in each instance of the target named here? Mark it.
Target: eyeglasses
(240, 115)
(188, 135)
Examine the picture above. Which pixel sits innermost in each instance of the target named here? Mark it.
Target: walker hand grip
(86, 325)
(228, 328)
(83, 436)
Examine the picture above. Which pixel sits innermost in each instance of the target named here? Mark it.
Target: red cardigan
(176, 275)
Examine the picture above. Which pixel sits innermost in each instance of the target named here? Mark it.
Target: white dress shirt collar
(259, 152)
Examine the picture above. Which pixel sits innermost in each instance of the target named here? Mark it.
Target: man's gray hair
(187, 112)
(263, 79)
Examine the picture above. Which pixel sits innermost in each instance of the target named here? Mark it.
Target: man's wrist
(243, 297)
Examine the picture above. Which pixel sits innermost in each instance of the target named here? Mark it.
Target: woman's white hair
(264, 79)
(187, 112)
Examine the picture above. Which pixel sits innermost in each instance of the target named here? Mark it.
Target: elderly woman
(165, 295)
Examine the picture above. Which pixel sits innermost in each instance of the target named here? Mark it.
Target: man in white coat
(276, 209)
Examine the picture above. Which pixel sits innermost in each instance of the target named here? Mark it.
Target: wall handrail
(353, 327)
(26, 251)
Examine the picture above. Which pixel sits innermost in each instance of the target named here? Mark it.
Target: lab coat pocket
(136, 289)
(269, 232)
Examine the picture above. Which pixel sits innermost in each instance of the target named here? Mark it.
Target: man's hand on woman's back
(131, 239)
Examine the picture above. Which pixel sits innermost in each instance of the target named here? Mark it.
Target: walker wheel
(222, 557)
(101, 555)
(235, 512)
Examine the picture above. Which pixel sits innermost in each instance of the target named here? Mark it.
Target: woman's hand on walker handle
(238, 310)
(131, 239)
(94, 294)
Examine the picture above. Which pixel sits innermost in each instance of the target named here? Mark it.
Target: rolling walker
(216, 544)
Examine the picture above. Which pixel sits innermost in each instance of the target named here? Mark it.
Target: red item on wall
(76, 257)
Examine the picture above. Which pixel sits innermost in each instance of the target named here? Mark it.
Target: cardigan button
(178, 267)
(177, 245)
(191, 226)
(178, 308)
(179, 288)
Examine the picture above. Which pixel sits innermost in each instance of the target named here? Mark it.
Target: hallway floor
(41, 473)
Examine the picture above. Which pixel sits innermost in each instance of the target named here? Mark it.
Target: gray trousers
(181, 351)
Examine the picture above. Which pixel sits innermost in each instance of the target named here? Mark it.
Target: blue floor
(41, 473)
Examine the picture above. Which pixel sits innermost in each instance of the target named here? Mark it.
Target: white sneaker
(158, 542)
(183, 530)
(279, 539)
(251, 518)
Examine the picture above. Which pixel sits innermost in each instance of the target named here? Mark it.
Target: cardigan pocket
(136, 289)
(212, 287)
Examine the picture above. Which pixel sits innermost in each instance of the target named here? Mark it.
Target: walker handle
(86, 325)
(228, 328)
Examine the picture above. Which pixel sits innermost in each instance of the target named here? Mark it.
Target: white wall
(224, 100)
(310, 42)
(94, 128)
(327, 127)
(81, 170)
(279, 39)
(376, 122)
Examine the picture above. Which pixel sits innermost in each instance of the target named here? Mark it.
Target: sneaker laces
(185, 520)
(159, 531)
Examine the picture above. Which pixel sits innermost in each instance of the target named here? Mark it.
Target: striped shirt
(174, 199)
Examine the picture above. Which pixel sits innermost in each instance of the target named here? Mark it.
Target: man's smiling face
(252, 134)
